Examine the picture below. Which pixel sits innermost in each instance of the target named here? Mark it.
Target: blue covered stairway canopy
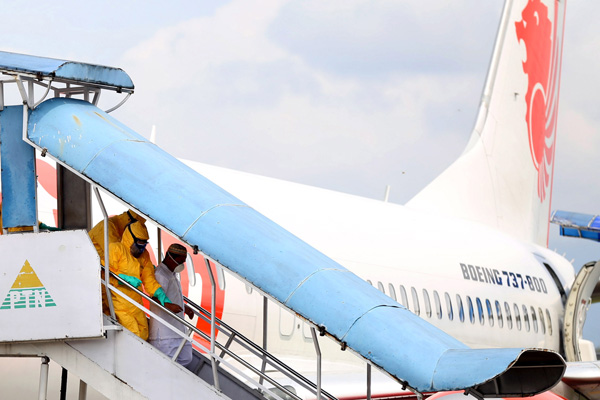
(65, 71)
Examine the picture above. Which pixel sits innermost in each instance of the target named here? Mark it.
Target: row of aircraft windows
(474, 309)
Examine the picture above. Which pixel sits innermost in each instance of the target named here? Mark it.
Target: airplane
(468, 254)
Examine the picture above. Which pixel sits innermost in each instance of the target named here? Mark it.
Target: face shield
(138, 246)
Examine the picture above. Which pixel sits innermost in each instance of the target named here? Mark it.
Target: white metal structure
(38, 291)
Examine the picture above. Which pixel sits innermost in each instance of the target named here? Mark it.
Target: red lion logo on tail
(543, 70)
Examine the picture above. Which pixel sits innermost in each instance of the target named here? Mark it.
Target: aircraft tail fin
(504, 176)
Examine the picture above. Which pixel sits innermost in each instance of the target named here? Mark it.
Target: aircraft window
(517, 316)
(449, 306)
(392, 291)
(508, 316)
(438, 304)
(459, 306)
(526, 318)
(427, 303)
(488, 305)
(549, 322)
(499, 314)
(542, 322)
(370, 283)
(415, 298)
(403, 297)
(471, 311)
(287, 322)
(480, 311)
(380, 287)
(248, 289)
(221, 277)
(534, 320)
(306, 333)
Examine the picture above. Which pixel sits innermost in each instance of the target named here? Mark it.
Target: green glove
(162, 296)
(48, 228)
(132, 280)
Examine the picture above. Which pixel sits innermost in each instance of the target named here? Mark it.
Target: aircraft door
(578, 302)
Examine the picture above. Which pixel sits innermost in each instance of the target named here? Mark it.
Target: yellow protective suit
(122, 262)
(116, 226)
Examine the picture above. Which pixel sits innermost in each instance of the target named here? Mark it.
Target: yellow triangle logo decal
(27, 278)
(27, 291)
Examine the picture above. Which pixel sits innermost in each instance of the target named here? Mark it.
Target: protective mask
(178, 269)
(137, 250)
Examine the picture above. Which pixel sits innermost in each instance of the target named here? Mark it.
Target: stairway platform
(121, 366)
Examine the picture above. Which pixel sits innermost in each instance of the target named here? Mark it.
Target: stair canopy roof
(65, 71)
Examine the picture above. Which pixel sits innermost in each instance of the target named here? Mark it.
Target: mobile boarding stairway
(52, 279)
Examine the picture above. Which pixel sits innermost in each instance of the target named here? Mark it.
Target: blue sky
(346, 95)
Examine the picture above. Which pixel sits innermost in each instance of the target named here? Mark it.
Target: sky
(348, 95)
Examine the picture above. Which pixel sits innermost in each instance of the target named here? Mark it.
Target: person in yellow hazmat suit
(116, 227)
(124, 261)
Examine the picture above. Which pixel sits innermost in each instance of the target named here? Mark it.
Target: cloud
(234, 33)
(226, 89)
(375, 38)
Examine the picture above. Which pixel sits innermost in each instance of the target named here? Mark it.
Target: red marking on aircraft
(542, 68)
(46, 176)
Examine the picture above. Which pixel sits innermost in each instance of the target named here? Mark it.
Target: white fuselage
(480, 286)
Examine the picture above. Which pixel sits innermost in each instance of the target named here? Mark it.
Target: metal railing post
(30, 89)
(22, 91)
(63, 384)
(106, 259)
(159, 243)
(318, 351)
(212, 324)
(227, 344)
(368, 381)
(36, 227)
(82, 390)
(180, 347)
(265, 326)
(43, 389)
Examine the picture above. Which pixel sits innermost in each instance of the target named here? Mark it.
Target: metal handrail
(252, 347)
(213, 296)
(318, 351)
(257, 350)
(202, 334)
(153, 315)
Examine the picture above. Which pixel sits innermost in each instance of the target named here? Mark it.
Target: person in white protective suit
(161, 336)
